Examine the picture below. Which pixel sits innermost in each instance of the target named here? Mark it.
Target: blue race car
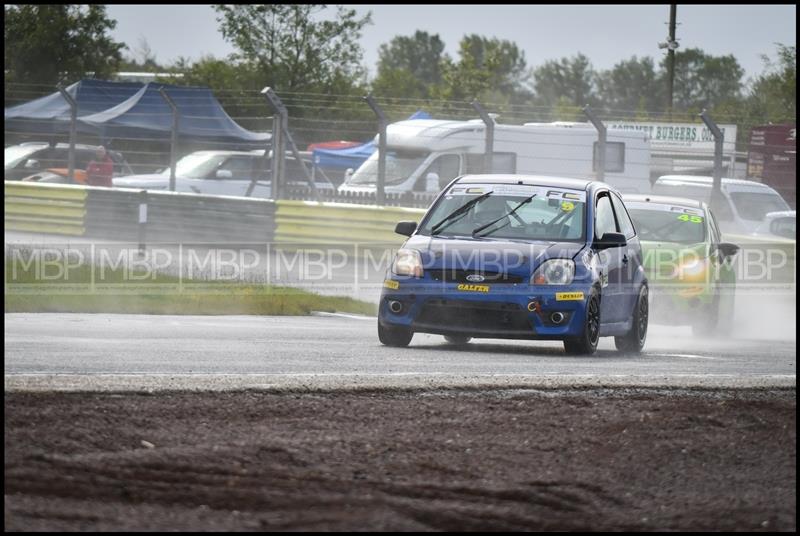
(519, 257)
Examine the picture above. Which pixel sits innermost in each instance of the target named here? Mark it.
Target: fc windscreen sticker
(570, 197)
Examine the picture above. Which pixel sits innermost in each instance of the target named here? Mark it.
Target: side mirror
(727, 249)
(348, 173)
(406, 228)
(223, 174)
(610, 240)
(432, 182)
(32, 164)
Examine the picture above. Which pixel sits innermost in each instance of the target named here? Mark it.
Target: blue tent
(51, 114)
(125, 110)
(145, 115)
(351, 157)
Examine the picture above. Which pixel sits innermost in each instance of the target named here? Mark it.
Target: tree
(486, 68)
(774, 92)
(293, 50)
(45, 44)
(703, 80)
(568, 81)
(142, 59)
(421, 55)
(632, 87)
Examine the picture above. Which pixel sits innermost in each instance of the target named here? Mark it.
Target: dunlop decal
(569, 296)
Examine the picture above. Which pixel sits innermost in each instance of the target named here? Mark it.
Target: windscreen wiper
(463, 209)
(507, 214)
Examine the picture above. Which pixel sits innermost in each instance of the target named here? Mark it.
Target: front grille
(477, 316)
(460, 276)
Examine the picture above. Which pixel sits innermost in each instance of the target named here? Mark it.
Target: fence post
(382, 123)
(142, 221)
(286, 136)
(280, 122)
(488, 158)
(719, 138)
(601, 143)
(73, 130)
(173, 150)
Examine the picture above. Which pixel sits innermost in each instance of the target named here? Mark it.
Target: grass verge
(137, 293)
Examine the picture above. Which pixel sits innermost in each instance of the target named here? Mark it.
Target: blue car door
(631, 259)
(610, 262)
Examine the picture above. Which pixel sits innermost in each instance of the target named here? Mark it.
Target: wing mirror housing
(406, 228)
(727, 249)
(610, 240)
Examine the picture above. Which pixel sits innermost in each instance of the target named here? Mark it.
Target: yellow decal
(569, 296)
(474, 190)
(394, 285)
(567, 206)
(474, 288)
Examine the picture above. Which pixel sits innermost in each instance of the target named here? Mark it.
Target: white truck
(423, 155)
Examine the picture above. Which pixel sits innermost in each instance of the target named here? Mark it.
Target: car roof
(532, 180)
(664, 200)
(697, 180)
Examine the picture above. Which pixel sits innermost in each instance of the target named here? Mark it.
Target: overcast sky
(606, 34)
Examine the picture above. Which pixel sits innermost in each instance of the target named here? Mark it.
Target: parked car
(224, 173)
(689, 267)
(744, 204)
(519, 257)
(31, 158)
(57, 176)
(781, 224)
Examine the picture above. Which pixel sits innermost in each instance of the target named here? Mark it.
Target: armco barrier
(171, 217)
(113, 214)
(45, 208)
(306, 222)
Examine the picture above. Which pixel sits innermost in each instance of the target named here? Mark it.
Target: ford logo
(475, 278)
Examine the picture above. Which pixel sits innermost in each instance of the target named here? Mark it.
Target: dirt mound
(444, 460)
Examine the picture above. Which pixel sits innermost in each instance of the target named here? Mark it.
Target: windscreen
(196, 166)
(754, 206)
(554, 214)
(17, 153)
(400, 165)
(667, 223)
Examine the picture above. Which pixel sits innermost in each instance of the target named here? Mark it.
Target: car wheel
(725, 316)
(586, 343)
(708, 322)
(457, 339)
(396, 336)
(633, 341)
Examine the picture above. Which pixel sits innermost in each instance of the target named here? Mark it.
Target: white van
(745, 204)
(424, 155)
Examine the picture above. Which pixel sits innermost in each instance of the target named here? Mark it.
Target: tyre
(457, 339)
(725, 316)
(706, 324)
(395, 336)
(586, 343)
(634, 340)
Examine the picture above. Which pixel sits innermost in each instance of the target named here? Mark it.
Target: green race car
(690, 269)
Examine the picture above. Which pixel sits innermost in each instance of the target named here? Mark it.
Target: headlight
(554, 272)
(408, 262)
(693, 270)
